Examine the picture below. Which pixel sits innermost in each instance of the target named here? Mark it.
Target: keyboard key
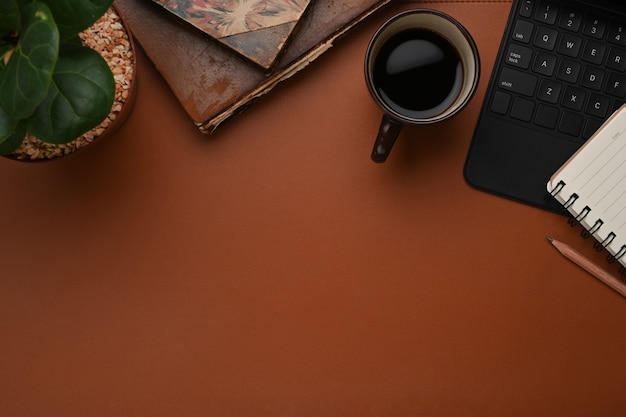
(573, 98)
(545, 38)
(522, 109)
(519, 56)
(593, 78)
(546, 12)
(568, 71)
(591, 126)
(526, 8)
(617, 59)
(571, 20)
(517, 82)
(595, 27)
(598, 105)
(593, 52)
(523, 31)
(570, 45)
(617, 34)
(547, 116)
(571, 123)
(544, 64)
(549, 91)
(616, 85)
(500, 103)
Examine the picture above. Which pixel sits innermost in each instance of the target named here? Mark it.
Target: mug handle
(387, 134)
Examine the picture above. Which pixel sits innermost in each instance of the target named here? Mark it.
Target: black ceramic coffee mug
(421, 67)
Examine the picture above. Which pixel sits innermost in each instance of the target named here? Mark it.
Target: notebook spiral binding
(574, 219)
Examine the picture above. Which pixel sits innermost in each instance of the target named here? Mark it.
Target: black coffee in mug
(418, 73)
(421, 67)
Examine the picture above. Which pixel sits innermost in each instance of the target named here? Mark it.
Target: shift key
(517, 82)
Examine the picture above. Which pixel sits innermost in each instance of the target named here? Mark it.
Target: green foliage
(50, 86)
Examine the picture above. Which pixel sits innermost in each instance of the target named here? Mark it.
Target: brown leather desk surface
(272, 270)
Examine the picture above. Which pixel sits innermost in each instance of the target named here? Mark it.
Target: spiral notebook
(591, 186)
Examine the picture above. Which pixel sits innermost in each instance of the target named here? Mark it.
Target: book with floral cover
(257, 29)
(212, 83)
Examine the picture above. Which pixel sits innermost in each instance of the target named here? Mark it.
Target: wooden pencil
(588, 266)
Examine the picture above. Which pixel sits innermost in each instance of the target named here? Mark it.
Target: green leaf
(11, 133)
(80, 97)
(10, 17)
(5, 47)
(25, 80)
(15, 140)
(74, 16)
(7, 125)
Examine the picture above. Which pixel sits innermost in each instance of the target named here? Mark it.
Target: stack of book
(219, 56)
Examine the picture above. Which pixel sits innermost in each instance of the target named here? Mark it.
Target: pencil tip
(549, 239)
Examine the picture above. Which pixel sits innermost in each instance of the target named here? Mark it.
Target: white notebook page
(592, 184)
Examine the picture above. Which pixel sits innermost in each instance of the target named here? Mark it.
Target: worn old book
(259, 30)
(214, 83)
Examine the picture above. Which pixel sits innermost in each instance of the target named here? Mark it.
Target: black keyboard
(564, 71)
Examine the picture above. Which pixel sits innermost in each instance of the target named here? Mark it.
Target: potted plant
(52, 85)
